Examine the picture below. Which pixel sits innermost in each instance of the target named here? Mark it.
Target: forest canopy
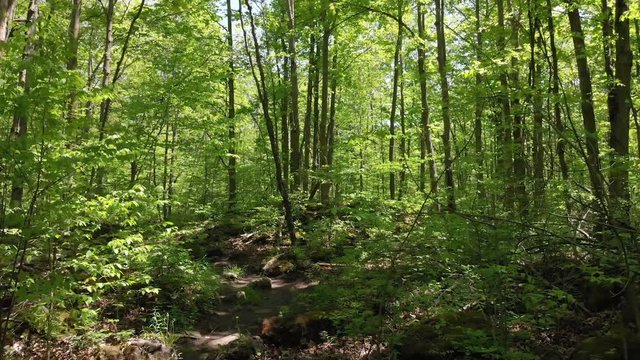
(357, 179)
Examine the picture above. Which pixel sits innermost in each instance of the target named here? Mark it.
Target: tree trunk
(477, 125)
(588, 114)
(232, 181)
(555, 93)
(619, 135)
(21, 112)
(294, 93)
(403, 136)
(444, 92)
(397, 72)
(325, 186)
(505, 157)
(7, 8)
(426, 145)
(306, 138)
(535, 73)
(72, 55)
(519, 159)
(261, 85)
(284, 120)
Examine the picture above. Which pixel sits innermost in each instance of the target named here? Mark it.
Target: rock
(454, 333)
(296, 330)
(278, 265)
(262, 283)
(142, 349)
(109, 352)
(243, 348)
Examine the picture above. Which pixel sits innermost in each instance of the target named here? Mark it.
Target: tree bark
(261, 86)
(535, 73)
(294, 93)
(232, 181)
(619, 135)
(555, 93)
(519, 159)
(7, 9)
(426, 144)
(72, 55)
(306, 138)
(444, 92)
(397, 72)
(477, 125)
(325, 185)
(21, 112)
(588, 114)
(505, 140)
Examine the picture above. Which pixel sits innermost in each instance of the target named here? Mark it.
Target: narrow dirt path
(246, 300)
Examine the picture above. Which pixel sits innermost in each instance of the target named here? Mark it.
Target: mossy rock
(450, 335)
(262, 283)
(619, 344)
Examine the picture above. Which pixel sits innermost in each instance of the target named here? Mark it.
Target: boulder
(449, 335)
(296, 330)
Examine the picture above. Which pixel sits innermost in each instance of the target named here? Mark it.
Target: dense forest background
(448, 179)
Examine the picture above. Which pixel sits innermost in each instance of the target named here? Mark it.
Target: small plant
(233, 271)
(162, 328)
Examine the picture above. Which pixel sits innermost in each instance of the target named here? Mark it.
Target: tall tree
(505, 140)
(72, 54)
(519, 159)
(397, 73)
(477, 124)
(619, 135)
(446, 117)
(7, 8)
(325, 185)
(21, 110)
(592, 156)
(306, 137)
(426, 143)
(535, 74)
(296, 150)
(232, 181)
(261, 86)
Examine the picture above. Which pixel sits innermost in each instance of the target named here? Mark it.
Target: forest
(319, 179)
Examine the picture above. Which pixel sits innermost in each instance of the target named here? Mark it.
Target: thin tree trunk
(105, 105)
(295, 93)
(477, 126)
(619, 135)
(535, 73)
(21, 112)
(403, 138)
(325, 185)
(555, 92)
(284, 117)
(7, 9)
(446, 118)
(72, 55)
(232, 181)
(505, 141)
(308, 114)
(588, 113)
(397, 71)
(261, 85)
(426, 144)
(519, 159)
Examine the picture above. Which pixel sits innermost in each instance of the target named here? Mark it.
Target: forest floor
(265, 308)
(261, 282)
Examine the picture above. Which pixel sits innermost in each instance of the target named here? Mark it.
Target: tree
(261, 85)
(446, 117)
(231, 114)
